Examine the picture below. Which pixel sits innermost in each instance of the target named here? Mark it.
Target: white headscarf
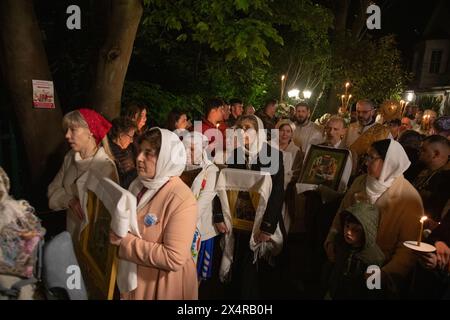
(200, 156)
(255, 147)
(395, 163)
(170, 163)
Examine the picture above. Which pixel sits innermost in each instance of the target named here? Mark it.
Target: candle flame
(343, 96)
(282, 77)
(422, 220)
(347, 84)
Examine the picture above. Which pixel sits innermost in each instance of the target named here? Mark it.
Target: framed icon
(324, 166)
(97, 257)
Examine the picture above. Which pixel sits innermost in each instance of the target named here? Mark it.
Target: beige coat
(72, 174)
(166, 270)
(400, 210)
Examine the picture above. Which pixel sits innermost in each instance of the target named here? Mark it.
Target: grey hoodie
(347, 277)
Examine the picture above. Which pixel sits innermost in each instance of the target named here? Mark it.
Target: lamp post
(307, 94)
(293, 93)
(410, 96)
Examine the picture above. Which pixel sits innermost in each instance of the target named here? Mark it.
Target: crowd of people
(394, 172)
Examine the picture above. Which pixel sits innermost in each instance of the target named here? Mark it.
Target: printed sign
(43, 94)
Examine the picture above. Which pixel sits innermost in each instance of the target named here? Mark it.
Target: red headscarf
(98, 125)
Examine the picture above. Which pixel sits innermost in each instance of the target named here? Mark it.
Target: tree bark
(359, 22)
(114, 56)
(23, 59)
(341, 15)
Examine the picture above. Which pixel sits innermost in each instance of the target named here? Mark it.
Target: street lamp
(293, 93)
(410, 96)
(307, 94)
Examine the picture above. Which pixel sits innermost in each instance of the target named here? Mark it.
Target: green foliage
(160, 102)
(186, 50)
(240, 29)
(373, 67)
(305, 59)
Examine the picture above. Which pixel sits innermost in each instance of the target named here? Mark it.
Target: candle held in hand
(419, 236)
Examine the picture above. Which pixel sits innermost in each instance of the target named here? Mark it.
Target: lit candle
(342, 102)
(283, 78)
(419, 236)
(348, 100)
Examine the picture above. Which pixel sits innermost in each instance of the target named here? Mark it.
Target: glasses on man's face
(130, 136)
(364, 111)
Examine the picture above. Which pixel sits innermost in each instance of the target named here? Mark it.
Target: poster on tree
(43, 94)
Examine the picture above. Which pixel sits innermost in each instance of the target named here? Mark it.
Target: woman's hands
(439, 259)
(262, 236)
(114, 239)
(75, 205)
(442, 253)
(259, 236)
(221, 227)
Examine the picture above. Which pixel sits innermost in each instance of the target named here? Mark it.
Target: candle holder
(419, 245)
(423, 247)
(345, 98)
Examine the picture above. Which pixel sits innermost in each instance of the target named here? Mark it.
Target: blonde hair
(284, 122)
(105, 144)
(74, 119)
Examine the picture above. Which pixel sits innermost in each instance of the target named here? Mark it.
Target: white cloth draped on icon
(250, 181)
(121, 204)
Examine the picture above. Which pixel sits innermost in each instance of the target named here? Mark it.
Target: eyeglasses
(370, 158)
(364, 111)
(129, 136)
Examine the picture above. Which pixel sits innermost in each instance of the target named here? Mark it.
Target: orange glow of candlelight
(419, 236)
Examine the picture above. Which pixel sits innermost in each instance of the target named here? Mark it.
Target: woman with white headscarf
(167, 216)
(204, 174)
(254, 153)
(399, 204)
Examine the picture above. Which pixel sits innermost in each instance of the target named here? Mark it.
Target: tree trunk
(340, 18)
(359, 22)
(23, 59)
(114, 56)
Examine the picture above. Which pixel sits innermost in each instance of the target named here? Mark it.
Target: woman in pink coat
(167, 217)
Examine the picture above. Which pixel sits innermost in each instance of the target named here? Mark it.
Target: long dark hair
(121, 125)
(172, 118)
